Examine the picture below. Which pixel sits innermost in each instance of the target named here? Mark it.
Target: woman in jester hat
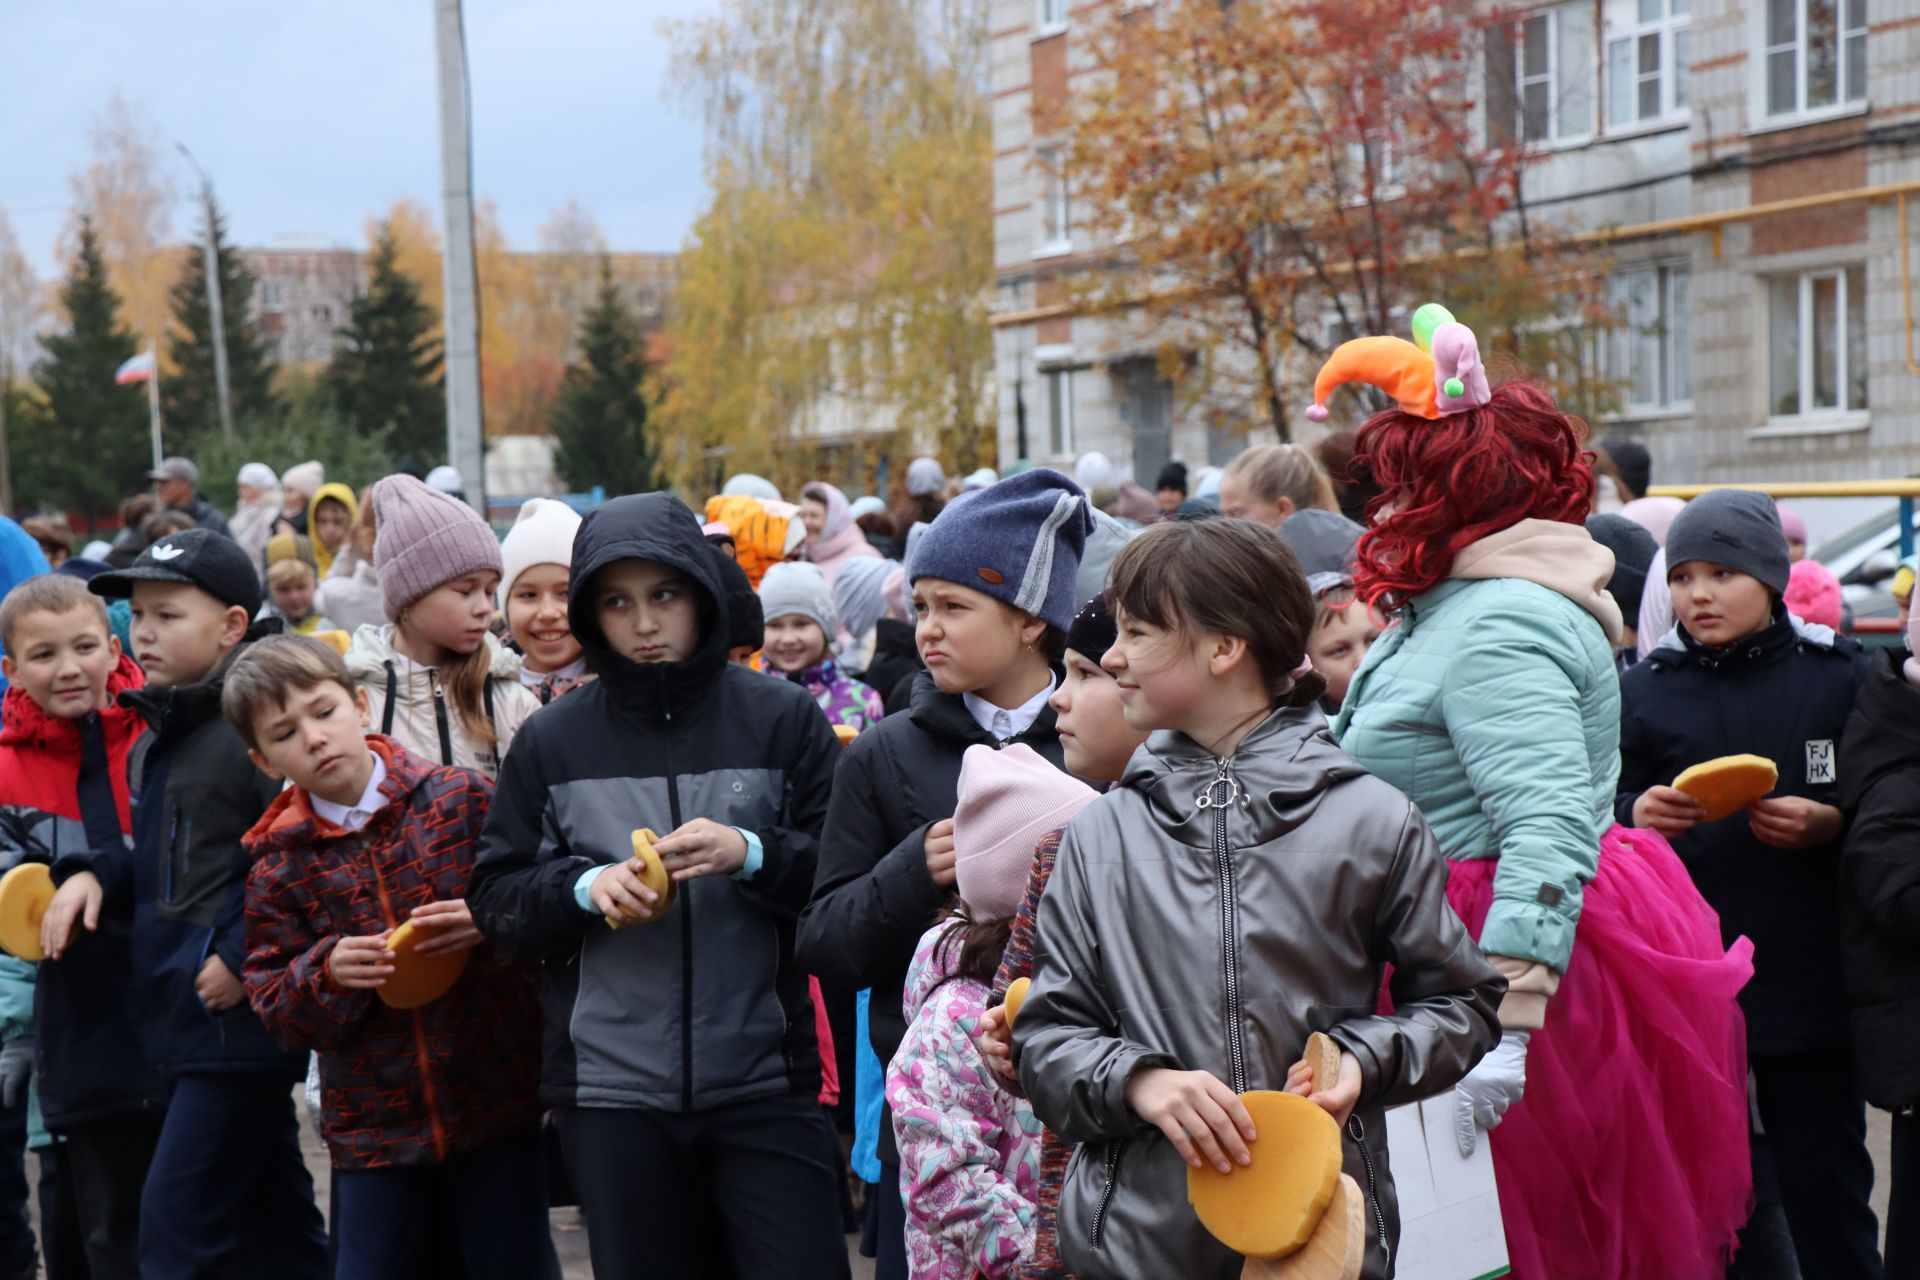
(1619, 1085)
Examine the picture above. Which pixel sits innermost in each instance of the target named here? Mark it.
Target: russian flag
(138, 369)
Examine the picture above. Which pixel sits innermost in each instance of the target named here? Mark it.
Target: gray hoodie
(1216, 937)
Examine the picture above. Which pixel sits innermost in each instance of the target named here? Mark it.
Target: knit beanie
(1008, 799)
(1018, 541)
(305, 478)
(796, 587)
(542, 534)
(1173, 476)
(1738, 528)
(291, 546)
(425, 539)
(980, 479)
(1633, 550)
(1813, 594)
(1792, 524)
(1655, 515)
(925, 477)
(1093, 630)
(859, 593)
(748, 485)
(1323, 541)
(258, 475)
(915, 536)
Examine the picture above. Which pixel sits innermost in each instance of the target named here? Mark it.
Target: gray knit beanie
(1738, 528)
(1018, 541)
(794, 587)
(423, 539)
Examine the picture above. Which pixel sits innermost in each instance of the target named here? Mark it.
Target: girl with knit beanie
(969, 1149)
(798, 608)
(832, 536)
(439, 682)
(993, 580)
(537, 555)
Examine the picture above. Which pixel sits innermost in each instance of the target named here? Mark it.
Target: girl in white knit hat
(537, 556)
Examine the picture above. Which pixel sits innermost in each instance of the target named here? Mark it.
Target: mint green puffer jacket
(1495, 706)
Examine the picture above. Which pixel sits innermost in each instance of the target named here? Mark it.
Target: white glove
(1481, 1100)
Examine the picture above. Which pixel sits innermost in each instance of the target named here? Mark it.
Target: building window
(1649, 354)
(1817, 342)
(1648, 52)
(1816, 55)
(1554, 71)
(1056, 210)
(1052, 16)
(1060, 411)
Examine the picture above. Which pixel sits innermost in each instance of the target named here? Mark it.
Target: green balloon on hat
(1428, 318)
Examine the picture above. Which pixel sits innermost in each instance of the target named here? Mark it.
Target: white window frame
(1804, 349)
(1672, 344)
(1624, 28)
(1850, 98)
(1554, 79)
(1054, 205)
(1050, 17)
(1059, 410)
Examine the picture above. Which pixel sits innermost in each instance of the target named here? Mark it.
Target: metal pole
(153, 404)
(460, 318)
(216, 305)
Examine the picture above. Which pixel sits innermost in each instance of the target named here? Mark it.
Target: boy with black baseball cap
(228, 1192)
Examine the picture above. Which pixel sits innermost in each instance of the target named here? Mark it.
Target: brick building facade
(1755, 343)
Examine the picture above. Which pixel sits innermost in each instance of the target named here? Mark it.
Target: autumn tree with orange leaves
(1276, 177)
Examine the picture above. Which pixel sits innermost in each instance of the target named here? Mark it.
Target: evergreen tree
(189, 402)
(91, 445)
(386, 372)
(600, 418)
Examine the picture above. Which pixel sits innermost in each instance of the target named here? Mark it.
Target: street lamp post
(215, 307)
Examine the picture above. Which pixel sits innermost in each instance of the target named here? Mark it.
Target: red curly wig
(1457, 479)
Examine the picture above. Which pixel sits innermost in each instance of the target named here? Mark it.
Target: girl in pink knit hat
(438, 680)
(969, 1148)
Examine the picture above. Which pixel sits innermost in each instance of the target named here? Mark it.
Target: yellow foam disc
(418, 979)
(1270, 1208)
(25, 893)
(1729, 784)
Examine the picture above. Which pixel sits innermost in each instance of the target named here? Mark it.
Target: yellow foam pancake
(1323, 1056)
(1271, 1207)
(1016, 996)
(418, 979)
(1729, 784)
(1337, 1249)
(338, 641)
(653, 874)
(25, 893)
(846, 733)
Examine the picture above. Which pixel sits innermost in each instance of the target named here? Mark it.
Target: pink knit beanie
(1008, 799)
(424, 538)
(1813, 594)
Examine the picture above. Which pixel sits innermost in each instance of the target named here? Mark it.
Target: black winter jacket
(1880, 884)
(873, 897)
(895, 662)
(1784, 693)
(704, 1006)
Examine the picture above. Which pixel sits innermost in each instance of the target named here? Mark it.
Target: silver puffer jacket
(1208, 915)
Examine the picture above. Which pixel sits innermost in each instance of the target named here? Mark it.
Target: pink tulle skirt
(1628, 1154)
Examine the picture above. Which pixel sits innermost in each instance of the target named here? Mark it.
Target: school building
(1752, 161)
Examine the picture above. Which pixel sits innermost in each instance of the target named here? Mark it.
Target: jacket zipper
(440, 718)
(1213, 798)
(686, 926)
(420, 1053)
(1114, 1151)
(1359, 1132)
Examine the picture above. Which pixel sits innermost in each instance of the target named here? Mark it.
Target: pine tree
(189, 401)
(600, 419)
(92, 443)
(386, 371)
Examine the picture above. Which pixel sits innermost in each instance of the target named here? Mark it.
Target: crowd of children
(657, 793)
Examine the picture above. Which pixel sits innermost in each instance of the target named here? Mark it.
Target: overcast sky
(312, 115)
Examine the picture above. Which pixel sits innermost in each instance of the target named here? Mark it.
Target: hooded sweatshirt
(1495, 705)
(840, 538)
(345, 497)
(1218, 938)
(703, 1006)
(969, 1149)
(410, 702)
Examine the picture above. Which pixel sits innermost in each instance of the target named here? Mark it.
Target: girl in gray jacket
(1247, 885)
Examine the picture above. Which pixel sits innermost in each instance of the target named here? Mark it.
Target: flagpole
(153, 405)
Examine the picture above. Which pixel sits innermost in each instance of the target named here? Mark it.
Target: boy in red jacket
(430, 1113)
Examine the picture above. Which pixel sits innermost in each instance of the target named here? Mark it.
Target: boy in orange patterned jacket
(430, 1113)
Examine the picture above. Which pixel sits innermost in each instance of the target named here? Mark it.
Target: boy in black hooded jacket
(680, 1041)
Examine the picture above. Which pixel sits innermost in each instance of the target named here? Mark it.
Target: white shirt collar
(359, 814)
(1003, 724)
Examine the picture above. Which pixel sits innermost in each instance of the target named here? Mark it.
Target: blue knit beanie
(1018, 541)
